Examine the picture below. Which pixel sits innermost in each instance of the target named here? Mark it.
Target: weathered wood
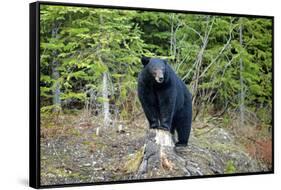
(160, 158)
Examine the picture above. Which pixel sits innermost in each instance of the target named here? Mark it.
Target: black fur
(167, 105)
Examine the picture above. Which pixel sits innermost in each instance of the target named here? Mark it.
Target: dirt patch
(72, 152)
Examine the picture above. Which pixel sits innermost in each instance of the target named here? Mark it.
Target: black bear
(165, 99)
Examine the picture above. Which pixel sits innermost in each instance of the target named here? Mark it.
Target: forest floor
(72, 152)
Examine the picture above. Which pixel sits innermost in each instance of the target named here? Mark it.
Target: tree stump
(160, 158)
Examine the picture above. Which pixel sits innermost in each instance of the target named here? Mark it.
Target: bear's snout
(159, 77)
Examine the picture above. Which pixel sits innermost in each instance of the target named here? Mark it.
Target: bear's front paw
(164, 128)
(154, 126)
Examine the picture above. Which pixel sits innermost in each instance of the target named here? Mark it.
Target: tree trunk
(172, 37)
(56, 90)
(242, 93)
(106, 114)
(160, 158)
(198, 62)
(55, 73)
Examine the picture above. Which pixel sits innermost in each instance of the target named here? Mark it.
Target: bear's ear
(145, 60)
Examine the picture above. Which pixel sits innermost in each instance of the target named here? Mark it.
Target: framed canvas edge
(273, 107)
(151, 9)
(34, 94)
(154, 180)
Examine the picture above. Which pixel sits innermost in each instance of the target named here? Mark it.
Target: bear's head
(156, 68)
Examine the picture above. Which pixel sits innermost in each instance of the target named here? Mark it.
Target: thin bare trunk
(220, 53)
(55, 72)
(56, 90)
(106, 114)
(174, 49)
(105, 92)
(172, 35)
(242, 93)
(198, 62)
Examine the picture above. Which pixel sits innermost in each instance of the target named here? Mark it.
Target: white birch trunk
(106, 114)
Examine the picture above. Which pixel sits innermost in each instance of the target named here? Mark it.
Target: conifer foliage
(90, 59)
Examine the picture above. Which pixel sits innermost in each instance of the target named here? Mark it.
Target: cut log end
(164, 138)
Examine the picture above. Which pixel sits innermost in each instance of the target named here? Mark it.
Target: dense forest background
(90, 60)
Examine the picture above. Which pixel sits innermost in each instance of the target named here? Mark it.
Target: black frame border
(34, 93)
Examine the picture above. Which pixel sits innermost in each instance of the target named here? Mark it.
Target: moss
(49, 126)
(94, 136)
(225, 147)
(226, 120)
(74, 132)
(72, 112)
(86, 143)
(61, 173)
(199, 157)
(209, 141)
(134, 162)
(203, 132)
(230, 167)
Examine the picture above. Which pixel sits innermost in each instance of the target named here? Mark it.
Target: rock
(86, 165)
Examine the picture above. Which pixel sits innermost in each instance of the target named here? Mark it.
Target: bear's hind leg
(182, 136)
(183, 127)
